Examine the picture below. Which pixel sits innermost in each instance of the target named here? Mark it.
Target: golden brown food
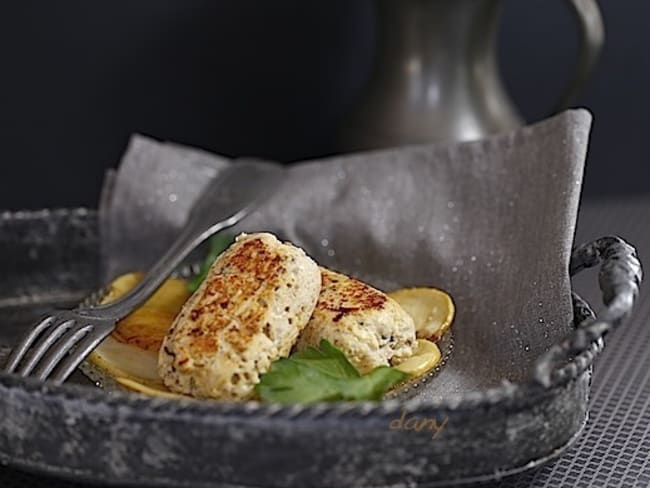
(146, 327)
(131, 351)
(256, 299)
(369, 327)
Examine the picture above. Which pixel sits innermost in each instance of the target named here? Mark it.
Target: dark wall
(262, 78)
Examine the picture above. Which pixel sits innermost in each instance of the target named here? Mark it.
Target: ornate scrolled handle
(619, 279)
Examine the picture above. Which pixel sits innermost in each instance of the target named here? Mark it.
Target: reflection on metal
(436, 75)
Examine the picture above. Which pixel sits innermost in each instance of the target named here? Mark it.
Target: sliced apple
(151, 390)
(130, 353)
(432, 310)
(426, 356)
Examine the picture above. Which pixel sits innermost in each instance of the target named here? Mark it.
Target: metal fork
(55, 346)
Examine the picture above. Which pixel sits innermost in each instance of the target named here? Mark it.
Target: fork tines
(43, 352)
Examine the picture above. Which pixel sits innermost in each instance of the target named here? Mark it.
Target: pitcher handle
(592, 37)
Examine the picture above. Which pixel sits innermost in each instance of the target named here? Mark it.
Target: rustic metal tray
(77, 431)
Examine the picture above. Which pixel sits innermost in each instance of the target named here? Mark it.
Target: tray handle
(619, 279)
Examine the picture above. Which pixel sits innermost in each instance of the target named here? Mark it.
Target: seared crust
(368, 326)
(256, 299)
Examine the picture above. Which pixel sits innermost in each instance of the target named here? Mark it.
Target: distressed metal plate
(79, 432)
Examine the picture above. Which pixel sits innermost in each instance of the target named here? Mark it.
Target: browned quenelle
(368, 326)
(248, 312)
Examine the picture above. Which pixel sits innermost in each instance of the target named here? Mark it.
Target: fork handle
(233, 193)
(158, 273)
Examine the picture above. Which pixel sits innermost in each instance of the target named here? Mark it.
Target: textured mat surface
(614, 449)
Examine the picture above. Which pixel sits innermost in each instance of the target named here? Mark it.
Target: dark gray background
(273, 79)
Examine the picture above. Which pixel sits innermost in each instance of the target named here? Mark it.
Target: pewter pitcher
(436, 75)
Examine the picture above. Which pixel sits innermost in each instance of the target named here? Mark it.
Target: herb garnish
(323, 374)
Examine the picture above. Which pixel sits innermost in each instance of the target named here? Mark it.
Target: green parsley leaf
(218, 244)
(323, 374)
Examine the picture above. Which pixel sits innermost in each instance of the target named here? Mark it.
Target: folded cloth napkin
(491, 222)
